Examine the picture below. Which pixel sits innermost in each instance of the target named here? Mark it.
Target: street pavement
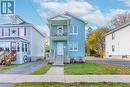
(109, 61)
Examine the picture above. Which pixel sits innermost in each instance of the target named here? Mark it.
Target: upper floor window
(73, 30)
(73, 46)
(113, 36)
(22, 31)
(0, 31)
(6, 32)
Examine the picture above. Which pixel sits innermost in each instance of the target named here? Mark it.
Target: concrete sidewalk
(56, 70)
(6, 78)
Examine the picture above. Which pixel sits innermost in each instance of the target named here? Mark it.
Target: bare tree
(120, 19)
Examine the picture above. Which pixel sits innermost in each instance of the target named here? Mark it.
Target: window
(18, 47)
(22, 31)
(22, 47)
(26, 47)
(73, 30)
(113, 48)
(6, 32)
(0, 31)
(73, 46)
(113, 36)
(13, 46)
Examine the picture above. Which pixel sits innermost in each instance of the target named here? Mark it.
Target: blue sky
(96, 12)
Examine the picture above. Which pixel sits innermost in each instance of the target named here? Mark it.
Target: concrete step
(58, 64)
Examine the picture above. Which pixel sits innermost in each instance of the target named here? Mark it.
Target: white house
(117, 43)
(24, 38)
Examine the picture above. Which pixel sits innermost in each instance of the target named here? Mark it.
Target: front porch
(20, 46)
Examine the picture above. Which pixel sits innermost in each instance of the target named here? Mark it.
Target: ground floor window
(73, 46)
(13, 45)
(22, 47)
(18, 47)
(26, 47)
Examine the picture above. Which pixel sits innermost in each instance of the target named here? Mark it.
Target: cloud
(127, 2)
(73, 6)
(43, 29)
(103, 19)
(81, 8)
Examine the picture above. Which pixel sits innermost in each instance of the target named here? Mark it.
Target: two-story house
(67, 38)
(22, 37)
(117, 43)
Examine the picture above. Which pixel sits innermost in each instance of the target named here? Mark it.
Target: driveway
(109, 61)
(25, 68)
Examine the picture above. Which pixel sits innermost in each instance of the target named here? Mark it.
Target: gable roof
(68, 17)
(22, 23)
(81, 19)
(59, 15)
(118, 28)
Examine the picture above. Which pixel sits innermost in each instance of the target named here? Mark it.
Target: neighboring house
(67, 38)
(24, 38)
(117, 42)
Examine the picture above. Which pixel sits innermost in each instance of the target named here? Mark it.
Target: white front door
(60, 50)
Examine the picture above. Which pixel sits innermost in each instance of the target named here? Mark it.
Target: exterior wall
(37, 44)
(18, 32)
(80, 38)
(121, 42)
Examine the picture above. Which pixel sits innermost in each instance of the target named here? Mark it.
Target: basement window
(113, 48)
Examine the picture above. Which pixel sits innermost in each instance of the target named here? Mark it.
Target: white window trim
(73, 31)
(73, 46)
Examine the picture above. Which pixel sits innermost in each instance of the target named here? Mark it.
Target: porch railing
(59, 34)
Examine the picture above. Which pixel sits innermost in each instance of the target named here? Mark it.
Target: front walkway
(56, 70)
(6, 78)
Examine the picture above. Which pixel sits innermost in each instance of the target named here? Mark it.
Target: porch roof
(13, 39)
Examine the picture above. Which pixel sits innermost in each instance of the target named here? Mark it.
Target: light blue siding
(80, 38)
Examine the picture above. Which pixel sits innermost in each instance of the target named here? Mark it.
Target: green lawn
(95, 68)
(42, 70)
(72, 85)
(5, 67)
